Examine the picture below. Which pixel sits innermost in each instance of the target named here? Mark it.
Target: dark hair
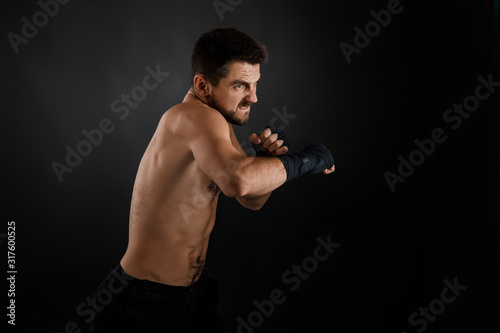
(216, 49)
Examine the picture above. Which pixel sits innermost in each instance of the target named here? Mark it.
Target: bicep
(212, 149)
(234, 141)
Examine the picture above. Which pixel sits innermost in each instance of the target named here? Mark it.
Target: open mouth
(244, 108)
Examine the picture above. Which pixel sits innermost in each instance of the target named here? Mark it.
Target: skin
(193, 156)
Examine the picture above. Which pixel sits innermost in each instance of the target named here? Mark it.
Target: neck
(194, 96)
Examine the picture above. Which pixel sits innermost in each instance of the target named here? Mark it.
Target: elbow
(251, 203)
(236, 187)
(240, 189)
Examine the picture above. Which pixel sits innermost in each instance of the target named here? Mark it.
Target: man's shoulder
(194, 115)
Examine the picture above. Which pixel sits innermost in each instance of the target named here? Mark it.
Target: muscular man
(193, 156)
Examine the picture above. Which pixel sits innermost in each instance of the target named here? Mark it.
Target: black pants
(126, 304)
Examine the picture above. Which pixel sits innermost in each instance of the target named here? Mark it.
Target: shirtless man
(193, 156)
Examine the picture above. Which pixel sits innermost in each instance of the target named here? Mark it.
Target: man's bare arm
(250, 202)
(240, 176)
(236, 174)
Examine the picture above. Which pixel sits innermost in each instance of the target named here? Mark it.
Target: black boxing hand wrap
(313, 159)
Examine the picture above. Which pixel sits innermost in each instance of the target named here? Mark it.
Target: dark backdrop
(396, 248)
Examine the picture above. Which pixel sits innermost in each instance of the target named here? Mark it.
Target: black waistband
(160, 287)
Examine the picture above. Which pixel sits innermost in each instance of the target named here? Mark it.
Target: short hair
(216, 49)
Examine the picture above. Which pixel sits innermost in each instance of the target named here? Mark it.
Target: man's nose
(252, 96)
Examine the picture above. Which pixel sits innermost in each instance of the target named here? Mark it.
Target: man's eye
(239, 86)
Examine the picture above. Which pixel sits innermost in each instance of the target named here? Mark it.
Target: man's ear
(201, 85)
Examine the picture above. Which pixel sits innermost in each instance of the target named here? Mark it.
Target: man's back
(173, 204)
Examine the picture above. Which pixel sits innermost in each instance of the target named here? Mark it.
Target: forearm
(257, 176)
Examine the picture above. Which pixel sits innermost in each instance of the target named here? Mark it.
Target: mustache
(244, 104)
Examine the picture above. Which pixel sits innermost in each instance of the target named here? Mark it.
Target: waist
(179, 267)
(160, 287)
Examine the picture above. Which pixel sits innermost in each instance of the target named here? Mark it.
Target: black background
(396, 248)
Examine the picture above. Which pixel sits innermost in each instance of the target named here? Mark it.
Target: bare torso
(173, 204)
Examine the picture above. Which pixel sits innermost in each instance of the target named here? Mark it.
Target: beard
(229, 115)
